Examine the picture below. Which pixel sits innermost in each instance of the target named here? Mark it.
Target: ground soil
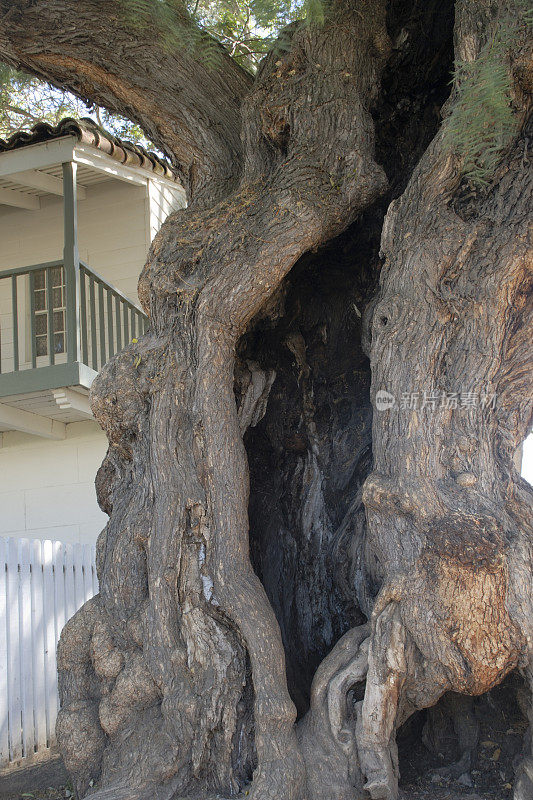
(502, 727)
(425, 790)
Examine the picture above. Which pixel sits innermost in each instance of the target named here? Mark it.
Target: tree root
(327, 733)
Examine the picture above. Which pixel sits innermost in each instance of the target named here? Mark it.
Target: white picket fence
(42, 584)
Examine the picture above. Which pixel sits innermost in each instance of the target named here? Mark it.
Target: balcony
(65, 324)
(72, 326)
(60, 323)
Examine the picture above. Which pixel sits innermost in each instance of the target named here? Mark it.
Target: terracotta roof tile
(88, 132)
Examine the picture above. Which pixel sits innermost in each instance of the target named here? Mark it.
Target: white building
(78, 210)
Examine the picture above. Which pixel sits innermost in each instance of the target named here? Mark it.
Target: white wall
(163, 200)
(48, 486)
(116, 223)
(527, 459)
(113, 234)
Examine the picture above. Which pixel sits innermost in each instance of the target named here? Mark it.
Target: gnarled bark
(449, 518)
(173, 679)
(176, 473)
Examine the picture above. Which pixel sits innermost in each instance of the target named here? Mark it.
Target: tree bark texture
(289, 572)
(449, 518)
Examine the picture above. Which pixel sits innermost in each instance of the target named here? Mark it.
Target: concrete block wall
(47, 487)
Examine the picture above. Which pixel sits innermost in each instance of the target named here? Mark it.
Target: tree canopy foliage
(480, 125)
(246, 28)
(26, 100)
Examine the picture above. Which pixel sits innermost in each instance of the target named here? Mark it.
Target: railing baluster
(33, 343)
(132, 323)
(126, 326)
(15, 310)
(118, 321)
(92, 314)
(101, 323)
(110, 334)
(83, 314)
(50, 316)
(71, 260)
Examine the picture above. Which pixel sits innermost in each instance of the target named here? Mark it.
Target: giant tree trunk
(174, 680)
(449, 518)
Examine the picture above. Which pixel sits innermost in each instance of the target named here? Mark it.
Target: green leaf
(482, 123)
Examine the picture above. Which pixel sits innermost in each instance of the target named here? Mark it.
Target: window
(56, 275)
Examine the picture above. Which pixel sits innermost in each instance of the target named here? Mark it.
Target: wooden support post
(71, 260)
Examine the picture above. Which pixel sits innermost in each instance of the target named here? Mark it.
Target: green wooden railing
(108, 320)
(51, 315)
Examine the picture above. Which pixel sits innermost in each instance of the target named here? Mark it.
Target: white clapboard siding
(42, 584)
